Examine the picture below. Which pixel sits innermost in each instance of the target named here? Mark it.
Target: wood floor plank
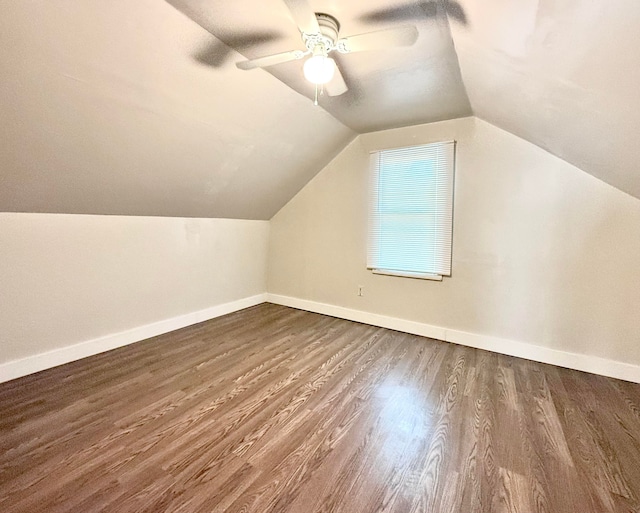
(273, 409)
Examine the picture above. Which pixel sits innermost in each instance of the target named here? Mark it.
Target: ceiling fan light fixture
(319, 69)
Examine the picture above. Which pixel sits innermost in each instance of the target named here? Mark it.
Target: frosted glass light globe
(319, 69)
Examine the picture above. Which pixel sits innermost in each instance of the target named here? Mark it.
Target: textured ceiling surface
(137, 108)
(562, 74)
(104, 111)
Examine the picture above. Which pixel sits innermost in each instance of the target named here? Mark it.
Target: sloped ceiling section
(564, 75)
(104, 111)
(137, 108)
(389, 88)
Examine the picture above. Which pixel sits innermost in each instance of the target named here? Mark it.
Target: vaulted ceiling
(562, 74)
(137, 108)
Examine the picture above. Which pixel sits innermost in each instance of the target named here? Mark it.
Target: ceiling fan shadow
(215, 54)
(456, 12)
(416, 12)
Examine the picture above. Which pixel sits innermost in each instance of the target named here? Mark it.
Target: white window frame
(438, 192)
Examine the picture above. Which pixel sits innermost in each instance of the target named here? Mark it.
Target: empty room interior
(300, 256)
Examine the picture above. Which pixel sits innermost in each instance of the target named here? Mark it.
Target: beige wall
(66, 279)
(543, 253)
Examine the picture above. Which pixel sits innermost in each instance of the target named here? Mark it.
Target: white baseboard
(577, 361)
(594, 364)
(29, 365)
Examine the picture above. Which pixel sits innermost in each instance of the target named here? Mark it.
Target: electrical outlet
(360, 290)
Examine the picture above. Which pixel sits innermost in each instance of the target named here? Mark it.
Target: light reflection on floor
(405, 420)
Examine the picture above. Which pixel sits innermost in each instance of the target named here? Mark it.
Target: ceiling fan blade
(336, 86)
(303, 15)
(379, 39)
(270, 60)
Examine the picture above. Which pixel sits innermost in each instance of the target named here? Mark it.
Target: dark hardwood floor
(278, 410)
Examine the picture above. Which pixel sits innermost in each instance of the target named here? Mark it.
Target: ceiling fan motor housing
(329, 26)
(327, 37)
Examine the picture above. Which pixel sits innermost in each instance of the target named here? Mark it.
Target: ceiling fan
(320, 37)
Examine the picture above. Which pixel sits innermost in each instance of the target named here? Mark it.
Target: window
(411, 211)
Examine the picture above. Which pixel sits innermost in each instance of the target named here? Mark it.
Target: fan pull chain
(315, 100)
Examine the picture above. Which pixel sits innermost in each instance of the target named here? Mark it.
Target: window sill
(403, 274)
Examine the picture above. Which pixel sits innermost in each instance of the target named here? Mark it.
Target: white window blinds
(411, 209)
